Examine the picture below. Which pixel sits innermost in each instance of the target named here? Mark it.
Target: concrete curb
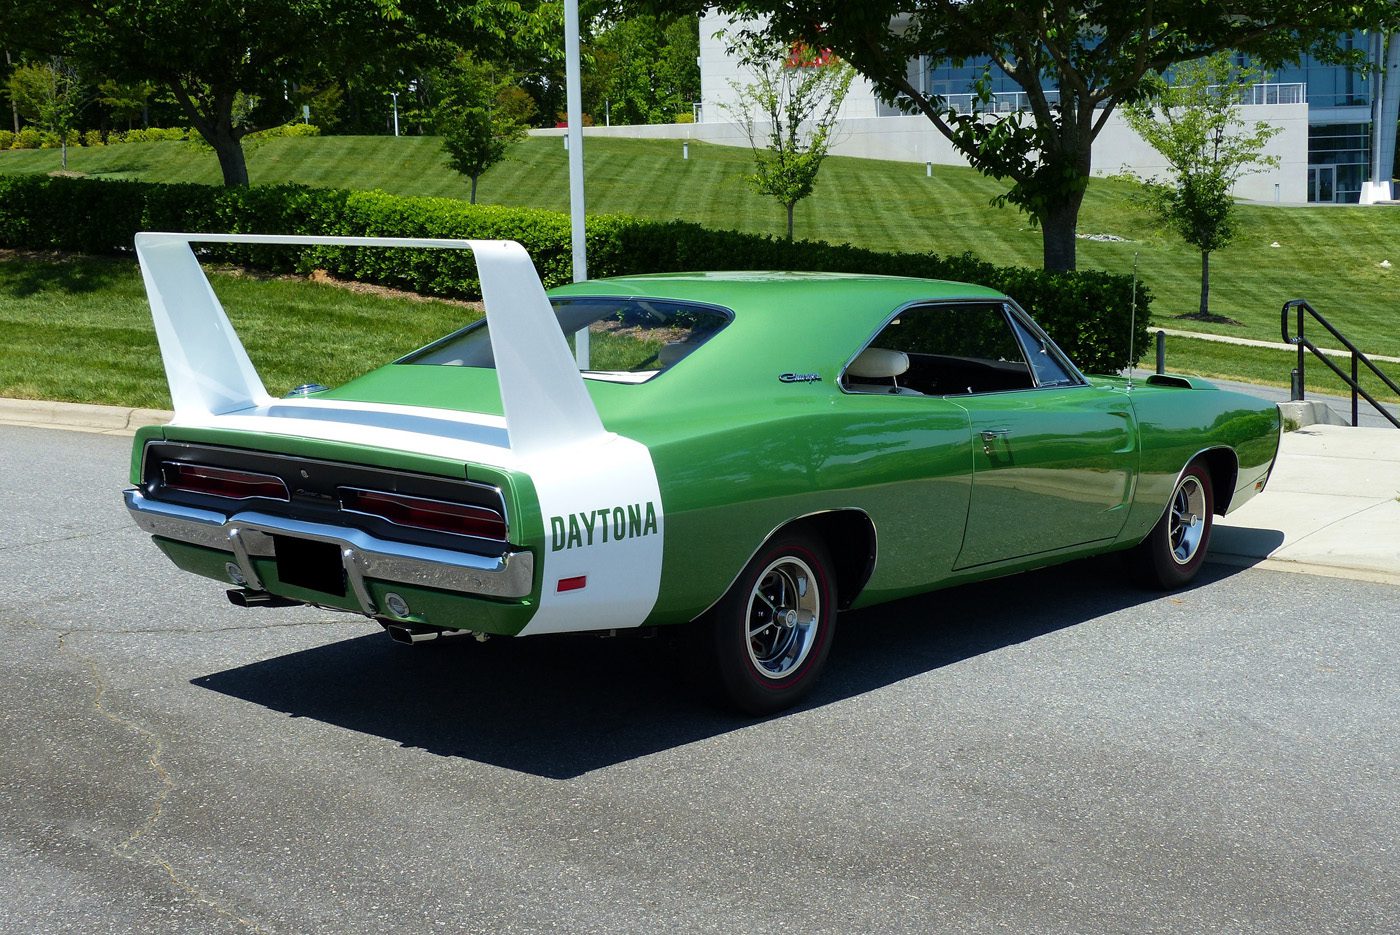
(1308, 412)
(81, 417)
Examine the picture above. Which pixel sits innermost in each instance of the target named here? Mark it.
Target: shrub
(7, 139)
(1086, 312)
(92, 138)
(29, 138)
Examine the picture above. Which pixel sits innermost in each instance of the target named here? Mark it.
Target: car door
(1054, 457)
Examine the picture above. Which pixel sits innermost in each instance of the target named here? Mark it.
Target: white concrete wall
(1117, 150)
(719, 71)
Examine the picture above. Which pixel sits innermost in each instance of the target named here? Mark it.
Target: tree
(49, 95)
(479, 116)
(1076, 62)
(644, 70)
(1194, 122)
(212, 55)
(797, 91)
(126, 101)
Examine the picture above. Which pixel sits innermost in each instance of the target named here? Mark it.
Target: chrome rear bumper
(249, 535)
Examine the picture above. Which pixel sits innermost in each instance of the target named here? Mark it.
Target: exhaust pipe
(246, 597)
(410, 633)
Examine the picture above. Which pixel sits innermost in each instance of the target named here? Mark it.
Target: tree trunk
(474, 178)
(232, 162)
(14, 107)
(789, 212)
(1205, 283)
(1057, 229)
(63, 149)
(216, 126)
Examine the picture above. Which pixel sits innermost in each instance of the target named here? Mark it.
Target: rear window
(629, 340)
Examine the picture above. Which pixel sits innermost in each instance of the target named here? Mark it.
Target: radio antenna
(1132, 325)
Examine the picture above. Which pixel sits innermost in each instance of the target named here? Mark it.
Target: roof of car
(775, 291)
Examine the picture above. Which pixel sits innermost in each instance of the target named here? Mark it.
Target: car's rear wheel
(1173, 552)
(763, 645)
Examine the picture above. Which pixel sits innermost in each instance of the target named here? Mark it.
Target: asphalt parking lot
(1057, 752)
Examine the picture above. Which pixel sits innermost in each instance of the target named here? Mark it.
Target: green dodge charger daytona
(742, 453)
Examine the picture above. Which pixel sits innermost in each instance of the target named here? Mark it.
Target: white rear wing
(546, 403)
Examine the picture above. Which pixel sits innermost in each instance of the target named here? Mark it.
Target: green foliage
(50, 95)
(1086, 312)
(228, 65)
(32, 138)
(644, 70)
(1195, 123)
(126, 100)
(797, 95)
(1075, 63)
(481, 113)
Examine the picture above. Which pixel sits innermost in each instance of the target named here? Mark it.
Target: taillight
(422, 513)
(221, 482)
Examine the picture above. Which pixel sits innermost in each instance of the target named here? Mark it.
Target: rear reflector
(422, 513)
(572, 584)
(221, 482)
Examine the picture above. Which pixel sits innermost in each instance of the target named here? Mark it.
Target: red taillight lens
(422, 513)
(221, 482)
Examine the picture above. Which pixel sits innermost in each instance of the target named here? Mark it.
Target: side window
(942, 350)
(1048, 369)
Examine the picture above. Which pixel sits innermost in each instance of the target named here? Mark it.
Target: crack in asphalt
(127, 849)
(115, 527)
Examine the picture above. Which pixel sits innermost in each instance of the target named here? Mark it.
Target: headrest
(878, 363)
(672, 352)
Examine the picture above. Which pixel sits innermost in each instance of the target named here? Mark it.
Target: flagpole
(575, 141)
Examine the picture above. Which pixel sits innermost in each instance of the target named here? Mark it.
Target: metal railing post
(1358, 358)
(1355, 421)
(1161, 352)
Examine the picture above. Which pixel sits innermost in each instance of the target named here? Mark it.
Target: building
(1327, 148)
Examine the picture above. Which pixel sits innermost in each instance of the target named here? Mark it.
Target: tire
(761, 648)
(1174, 551)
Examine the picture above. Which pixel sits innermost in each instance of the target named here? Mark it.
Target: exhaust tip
(247, 597)
(410, 633)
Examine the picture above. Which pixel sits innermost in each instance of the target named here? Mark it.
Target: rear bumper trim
(248, 535)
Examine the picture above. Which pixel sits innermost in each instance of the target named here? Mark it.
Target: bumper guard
(249, 535)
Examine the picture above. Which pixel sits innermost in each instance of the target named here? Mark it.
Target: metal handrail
(1303, 344)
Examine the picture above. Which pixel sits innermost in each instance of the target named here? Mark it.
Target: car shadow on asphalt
(559, 707)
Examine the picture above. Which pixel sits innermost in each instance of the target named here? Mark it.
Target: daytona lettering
(609, 524)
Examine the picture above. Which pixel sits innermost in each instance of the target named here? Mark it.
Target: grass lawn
(79, 329)
(1329, 255)
(1264, 365)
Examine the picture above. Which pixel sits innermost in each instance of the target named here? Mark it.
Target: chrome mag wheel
(1187, 521)
(763, 645)
(784, 616)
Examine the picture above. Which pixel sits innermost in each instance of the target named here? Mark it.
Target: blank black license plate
(306, 563)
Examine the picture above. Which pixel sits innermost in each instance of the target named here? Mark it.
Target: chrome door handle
(989, 437)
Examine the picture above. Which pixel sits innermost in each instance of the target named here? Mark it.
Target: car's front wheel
(762, 646)
(1174, 551)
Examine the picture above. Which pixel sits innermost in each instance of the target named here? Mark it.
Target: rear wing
(545, 401)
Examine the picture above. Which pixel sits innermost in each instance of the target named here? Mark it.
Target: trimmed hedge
(1086, 312)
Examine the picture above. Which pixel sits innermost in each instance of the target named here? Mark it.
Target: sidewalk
(1332, 506)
